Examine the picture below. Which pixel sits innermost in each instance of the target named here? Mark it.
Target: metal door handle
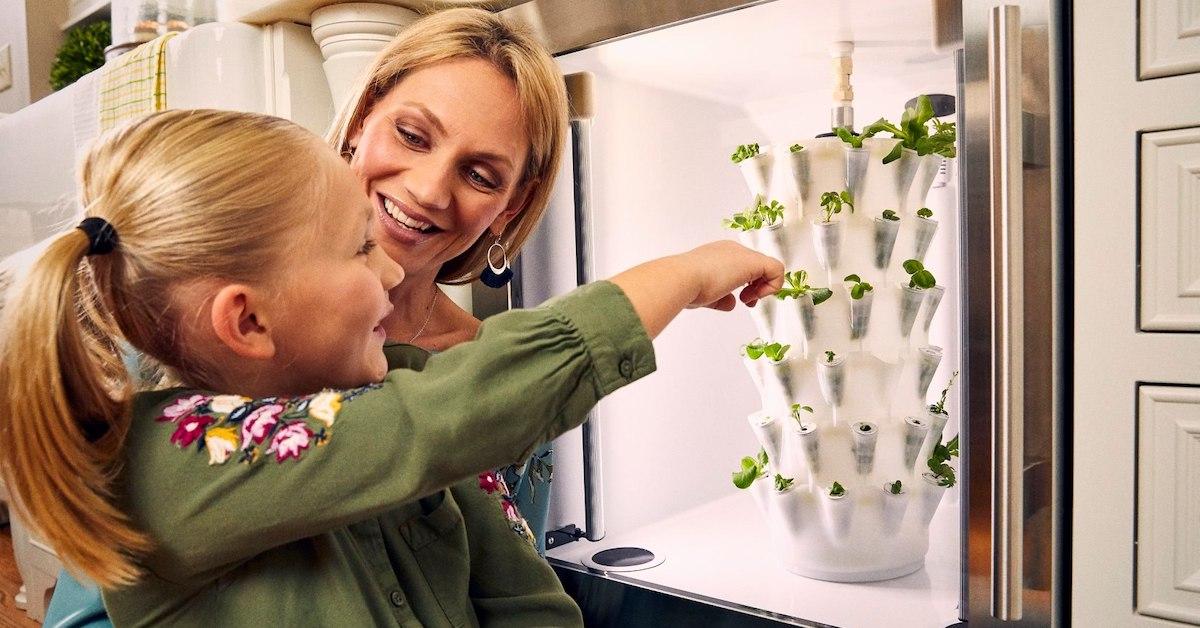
(1008, 408)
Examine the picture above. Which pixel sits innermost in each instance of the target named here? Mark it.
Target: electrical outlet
(5, 67)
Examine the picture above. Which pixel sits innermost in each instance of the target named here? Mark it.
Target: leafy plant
(925, 212)
(894, 487)
(832, 203)
(858, 287)
(81, 52)
(797, 409)
(797, 286)
(795, 148)
(855, 140)
(829, 356)
(744, 152)
(752, 469)
(837, 490)
(919, 276)
(939, 459)
(914, 132)
(774, 351)
(782, 483)
(756, 217)
(940, 406)
(890, 214)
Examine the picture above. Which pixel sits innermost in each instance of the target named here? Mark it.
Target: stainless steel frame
(1014, 171)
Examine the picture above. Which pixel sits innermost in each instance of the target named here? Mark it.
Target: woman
(456, 134)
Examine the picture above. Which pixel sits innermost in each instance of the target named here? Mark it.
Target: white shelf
(721, 551)
(82, 11)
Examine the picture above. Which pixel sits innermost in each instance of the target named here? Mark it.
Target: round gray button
(626, 368)
(397, 599)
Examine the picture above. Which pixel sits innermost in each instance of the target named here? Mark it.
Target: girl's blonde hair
(192, 195)
(479, 34)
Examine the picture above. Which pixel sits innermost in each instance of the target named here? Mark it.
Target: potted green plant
(864, 435)
(787, 503)
(893, 505)
(760, 227)
(753, 469)
(771, 369)
(837, 510)
(755, 164)
(913, 293)
(806, 433)
(916, 430)
(925, 228)
(858, 158)
(939, 478)
(862, 295)
(920, 134)
(769, 432)
(886, 227)
(807, 299)
(929, 358)
(937, 414)
(827, 234)
(831, 375)
(801, 172)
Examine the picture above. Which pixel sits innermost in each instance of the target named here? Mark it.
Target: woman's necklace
(428, 315)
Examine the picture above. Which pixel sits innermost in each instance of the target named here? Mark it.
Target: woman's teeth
(404, 219)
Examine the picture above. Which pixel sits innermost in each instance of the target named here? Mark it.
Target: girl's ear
(240, 324)
(519, 202)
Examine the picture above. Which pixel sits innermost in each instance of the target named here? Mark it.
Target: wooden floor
(10, 582)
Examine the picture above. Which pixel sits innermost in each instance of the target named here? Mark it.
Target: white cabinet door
(1136, 442)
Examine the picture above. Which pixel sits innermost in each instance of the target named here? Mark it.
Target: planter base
(870, 575)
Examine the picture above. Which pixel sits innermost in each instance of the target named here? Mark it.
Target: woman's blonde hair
(192, 195)
(475, 33)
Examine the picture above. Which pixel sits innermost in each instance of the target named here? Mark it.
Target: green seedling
(854, 140)
(797, 409)
(752, 469)
(762, 214)
(797, 286)
(890, 214)
(914, 132)
(795, 148)
(782, 483)
(940, 406)
(894, 487)
(744, 152)
(939, 459)
(919, 276)
(774, 351)
(858, 287)
(837, 490)
(832, 203)
(829, 356)
(925, 212)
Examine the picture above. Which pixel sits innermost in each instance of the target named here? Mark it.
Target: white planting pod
(761, 492)
(858, 161)
(769, 431)
(808, 315)
(893, 506)
(832, 378)
(923, 231)
(860, 315)
(788, 507)
(763, 315)
(905, 171)
(810, 446)
(785, 387)
(926, 173)
(802, 176)
(937, 425)
(916, 431)
(757, 173)
(885, 232)
(827, 243)
(910, 303)
(756, 374)
(929, 358)
(773, 241)
(933, 298)
(837, 512)
(865, 435)
(931, 497)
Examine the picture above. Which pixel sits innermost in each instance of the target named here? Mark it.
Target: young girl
(291, 479)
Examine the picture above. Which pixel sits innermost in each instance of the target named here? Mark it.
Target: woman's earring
(496, 276)
(348, 154)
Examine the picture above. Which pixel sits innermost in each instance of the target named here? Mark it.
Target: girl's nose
(390, 273)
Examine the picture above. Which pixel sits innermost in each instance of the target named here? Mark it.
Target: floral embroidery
(220, 442)
(493, 484)
(259, 424)
(289, 441)
(489, 482)
(225, 424)
(189, 429)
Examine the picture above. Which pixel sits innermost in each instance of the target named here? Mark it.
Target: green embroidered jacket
(371, 507)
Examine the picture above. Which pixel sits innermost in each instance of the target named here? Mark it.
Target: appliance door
(1014, 165)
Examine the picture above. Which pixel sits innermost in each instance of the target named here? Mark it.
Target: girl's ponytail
(64, 402)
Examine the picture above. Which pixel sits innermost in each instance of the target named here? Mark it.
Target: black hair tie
(102, 236)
